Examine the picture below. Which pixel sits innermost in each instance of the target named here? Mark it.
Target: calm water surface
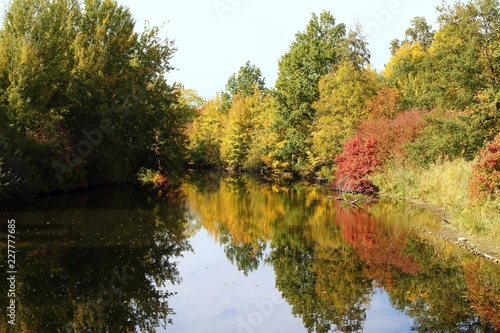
(234, 254)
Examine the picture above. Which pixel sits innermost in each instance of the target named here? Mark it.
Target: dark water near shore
(235, 254)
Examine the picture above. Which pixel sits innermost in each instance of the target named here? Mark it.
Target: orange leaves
(384, 104)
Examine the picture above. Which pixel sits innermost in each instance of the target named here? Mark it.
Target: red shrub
(356, 163)
(485, 177)
(375, 142)
(392, 134)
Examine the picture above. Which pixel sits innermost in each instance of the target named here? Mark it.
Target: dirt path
(483, 246)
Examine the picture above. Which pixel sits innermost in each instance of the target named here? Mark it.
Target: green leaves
(247, 81)
(466, 49)
(315, 52)
(67, 66)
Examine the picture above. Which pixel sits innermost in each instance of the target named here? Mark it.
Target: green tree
(419, 32)
(314, 53)
(355, 48)
(465, 53)
(247, 81)
(83, 96)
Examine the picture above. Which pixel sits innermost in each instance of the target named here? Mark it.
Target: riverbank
(443, 187)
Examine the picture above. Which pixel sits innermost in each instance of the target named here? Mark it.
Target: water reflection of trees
(97, 265)
(328, 258)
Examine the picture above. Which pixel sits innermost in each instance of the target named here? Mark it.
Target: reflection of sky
(214, 297)
(383, 318)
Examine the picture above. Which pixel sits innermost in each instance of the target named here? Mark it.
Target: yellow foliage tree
(404, 71)
(340, 109)
(245, 138)
(205, 134)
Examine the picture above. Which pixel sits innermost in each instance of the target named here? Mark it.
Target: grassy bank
(444, 185)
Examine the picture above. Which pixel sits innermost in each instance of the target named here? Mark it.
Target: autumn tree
(205, 135)
(238, 131)
(384, 104)
(246, 137)
(468, 45)
(408, 70)
(459, 75)
(406, 73)
(340, 109)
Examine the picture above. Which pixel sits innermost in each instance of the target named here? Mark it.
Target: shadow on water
(92, 262)
(103, 261)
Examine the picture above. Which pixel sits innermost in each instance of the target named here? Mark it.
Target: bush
(485, 179)
(392, 134)
(354, 165)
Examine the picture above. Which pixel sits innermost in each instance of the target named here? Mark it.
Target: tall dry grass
(444, 185)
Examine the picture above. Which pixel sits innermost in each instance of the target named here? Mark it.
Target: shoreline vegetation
(85, 101)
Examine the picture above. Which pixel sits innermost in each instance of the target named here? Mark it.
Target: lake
(237, 254)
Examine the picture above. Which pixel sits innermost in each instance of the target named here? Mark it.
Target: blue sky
(215, 37)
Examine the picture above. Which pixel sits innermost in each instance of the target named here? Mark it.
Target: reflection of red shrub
(381, 249)
(485, 178)
(484, 295)
(356, 163)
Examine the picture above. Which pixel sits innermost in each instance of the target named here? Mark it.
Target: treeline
(84, 99)
(331, 115)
